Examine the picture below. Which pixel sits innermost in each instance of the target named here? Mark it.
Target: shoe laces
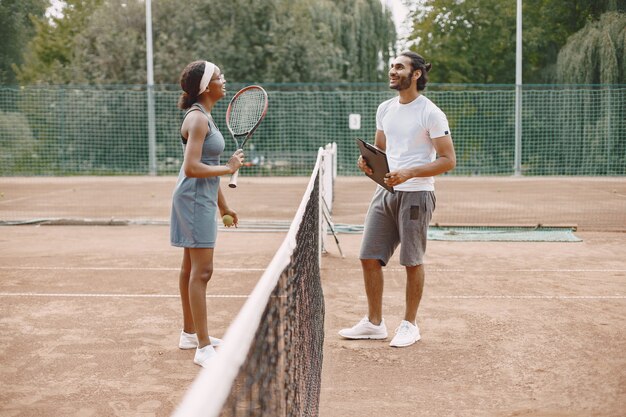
(364, 320)
(403, 329)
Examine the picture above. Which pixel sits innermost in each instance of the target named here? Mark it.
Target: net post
(328, 173)
(329, 163)
(334, 150)
(320, 201)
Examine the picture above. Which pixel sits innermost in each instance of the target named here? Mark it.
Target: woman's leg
(183, 285)
(201, 271)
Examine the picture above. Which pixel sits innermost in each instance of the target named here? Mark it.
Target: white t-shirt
(409, 130)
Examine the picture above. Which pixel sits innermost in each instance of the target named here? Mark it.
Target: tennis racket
(245, 112)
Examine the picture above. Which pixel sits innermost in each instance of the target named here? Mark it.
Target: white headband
(209, 69)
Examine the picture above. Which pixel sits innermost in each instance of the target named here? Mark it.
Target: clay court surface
(90, 316)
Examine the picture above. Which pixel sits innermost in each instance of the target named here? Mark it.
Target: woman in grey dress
(197, 199)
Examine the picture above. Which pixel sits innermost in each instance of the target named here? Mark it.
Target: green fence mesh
(63, 147)
(90, 130)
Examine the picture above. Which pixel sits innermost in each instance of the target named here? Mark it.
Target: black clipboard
(377, 160)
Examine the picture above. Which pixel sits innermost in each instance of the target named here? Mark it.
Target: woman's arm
(198, 129)
(224, 209)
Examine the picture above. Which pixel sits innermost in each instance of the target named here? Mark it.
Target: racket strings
(247, 109)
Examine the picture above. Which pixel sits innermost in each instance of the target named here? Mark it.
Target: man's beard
(403, 84)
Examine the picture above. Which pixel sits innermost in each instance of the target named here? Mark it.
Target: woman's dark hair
(417, 62)
(190, 83)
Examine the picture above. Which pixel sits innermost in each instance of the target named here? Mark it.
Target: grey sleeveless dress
(194, 202)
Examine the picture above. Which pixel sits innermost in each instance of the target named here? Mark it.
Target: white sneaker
(407, 333)
(203, 356)
(190, 340)
(365, 330)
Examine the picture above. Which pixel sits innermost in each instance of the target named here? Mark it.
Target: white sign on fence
(354, 121)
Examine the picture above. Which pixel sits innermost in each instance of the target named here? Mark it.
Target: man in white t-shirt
(415, 134)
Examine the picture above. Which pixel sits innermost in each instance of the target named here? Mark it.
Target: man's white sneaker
(190, 340)
(203, 356)
(365, 330)
(407, 333)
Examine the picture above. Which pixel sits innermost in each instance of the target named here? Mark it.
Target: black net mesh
(282, 373)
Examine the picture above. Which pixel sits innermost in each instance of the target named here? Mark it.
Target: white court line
(124, 268)
(444, 297)
(518, 297)
(532, 297)
(86, 295)
(482, 270)
(39, 195)
(115, 268)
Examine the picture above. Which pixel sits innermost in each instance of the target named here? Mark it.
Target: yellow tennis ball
(228, 220)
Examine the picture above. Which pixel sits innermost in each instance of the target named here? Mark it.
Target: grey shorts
(397, 219)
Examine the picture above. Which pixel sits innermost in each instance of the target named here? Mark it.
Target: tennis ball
(228, 220)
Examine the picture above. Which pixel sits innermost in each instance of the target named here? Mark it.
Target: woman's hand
(231, 213)
(236, 161)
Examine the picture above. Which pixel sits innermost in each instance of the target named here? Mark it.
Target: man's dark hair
(417, 62)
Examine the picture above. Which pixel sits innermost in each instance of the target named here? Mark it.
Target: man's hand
(362, 164)
(397, 177)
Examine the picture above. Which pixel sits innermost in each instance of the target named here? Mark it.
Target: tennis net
(270, 362)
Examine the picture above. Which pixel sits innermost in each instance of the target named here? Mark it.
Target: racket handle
(233, 179)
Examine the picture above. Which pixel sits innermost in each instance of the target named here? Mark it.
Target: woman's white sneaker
(365, 330)
(204, 355)
(190, 340)
(407, 333)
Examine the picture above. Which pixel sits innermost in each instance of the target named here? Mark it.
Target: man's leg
(380, 238)
(415, 214)
(374, 283)
(407, 332)
(414, 289)
(372, 326)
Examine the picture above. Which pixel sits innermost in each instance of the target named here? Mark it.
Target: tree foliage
(50, 53)
(473, 41)
(596, 54)
(252, 40)
(464, 41)
(17, 27)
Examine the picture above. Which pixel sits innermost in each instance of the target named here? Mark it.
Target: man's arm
(380, 140)
(445, 162)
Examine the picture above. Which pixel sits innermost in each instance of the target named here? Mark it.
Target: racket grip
(233, 179)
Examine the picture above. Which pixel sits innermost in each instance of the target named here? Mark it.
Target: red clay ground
(89, 318)
(591, 203)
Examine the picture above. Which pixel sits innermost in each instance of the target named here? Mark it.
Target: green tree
(474, 40)
(596, 54)
(367, 37)
(464, 41)
(111, 48)
(16, 29)
(50, 53)
(253, 40)
(547, 25)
